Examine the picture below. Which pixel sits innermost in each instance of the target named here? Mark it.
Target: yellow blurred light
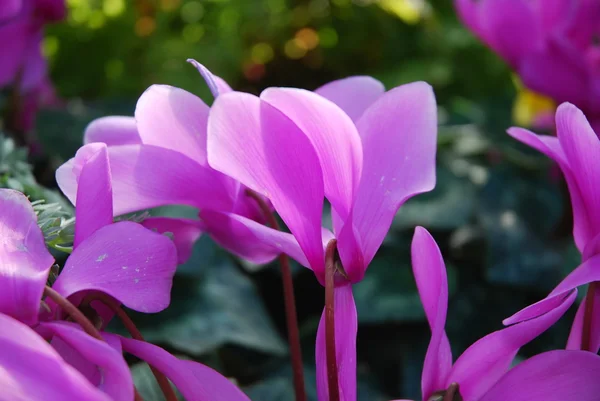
(529, 106)
(192, 33)
(169, 5)
(328, 37)
(307, 38)
(192, 12)
(145, 26)
(113, 8)
(228, 19)
(261, 53)
(80, 15)
(50, 46)
(96, 20)
(114, 69)
(292, 50)
(409, 11)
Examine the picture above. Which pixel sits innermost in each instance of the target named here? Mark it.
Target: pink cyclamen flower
(124, 260)
(297, 148)
(551, 44)
(482, 372)
(575, 150)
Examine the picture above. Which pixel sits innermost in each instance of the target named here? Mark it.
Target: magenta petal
(113, 131)
(484, 362)
(345, 345)
(174, 119)
(185, 233)
(511, 28)
(432, 283)
(195, 381)
(399, 135)
(468, 11)
(10, 8)
(14, 44)
(217, 85)
(352, 94)
(550, 376)
(125, 260)
(254, 143)
(574, 342)
(116, 379)
(583, 231)
(94, 193)
(32, 370)
(24, 259)
(250, 240)
(333, 136)
(581, 146)
(145, 176)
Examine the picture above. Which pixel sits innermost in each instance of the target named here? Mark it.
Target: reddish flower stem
(289, 301)
(332, 370)
(452, 393)
(79, 318)
(588, 316)
(163, 382)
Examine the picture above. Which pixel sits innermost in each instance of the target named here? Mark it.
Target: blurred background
(499, 212)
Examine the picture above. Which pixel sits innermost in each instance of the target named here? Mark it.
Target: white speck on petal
(101, 257)
(382, 179)
(137, 269)
(124, 267)
(137, 280)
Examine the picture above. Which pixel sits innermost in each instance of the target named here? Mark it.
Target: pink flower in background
(575, 150)
(551, 44)
(482, 372)
(296, 148)
(22, 64)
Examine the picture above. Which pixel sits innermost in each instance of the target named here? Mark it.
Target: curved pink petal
(432, 283)
(174, 119)
(346, 327)
(217, 85)
(583, 230)
(352, 94)
(399, 135)
(32, 370)
(511, 28)
(333, 136)
(116, 379)
(185, 233)
(484, 362)
(468, 11)
(94, 193)
(254, 143)
(113, 131)
(550, 376)
(195, 381)
(145, 176)
(126, 261)
(24, 259)
(575, 336)
(250, 240)
(581, 146)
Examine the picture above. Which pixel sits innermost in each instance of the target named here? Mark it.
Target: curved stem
(289, 301)
(452, 393)
(162, 380)
(332, 370)
(80, 319)
(73, 312)
(588, 316)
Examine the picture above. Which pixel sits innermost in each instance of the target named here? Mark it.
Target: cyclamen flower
(296, 148)
(575, 150)
(124, 260)
(482, 372)
(551, 44)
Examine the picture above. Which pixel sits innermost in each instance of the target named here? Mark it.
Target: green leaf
(146, 384)
(221, 308)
